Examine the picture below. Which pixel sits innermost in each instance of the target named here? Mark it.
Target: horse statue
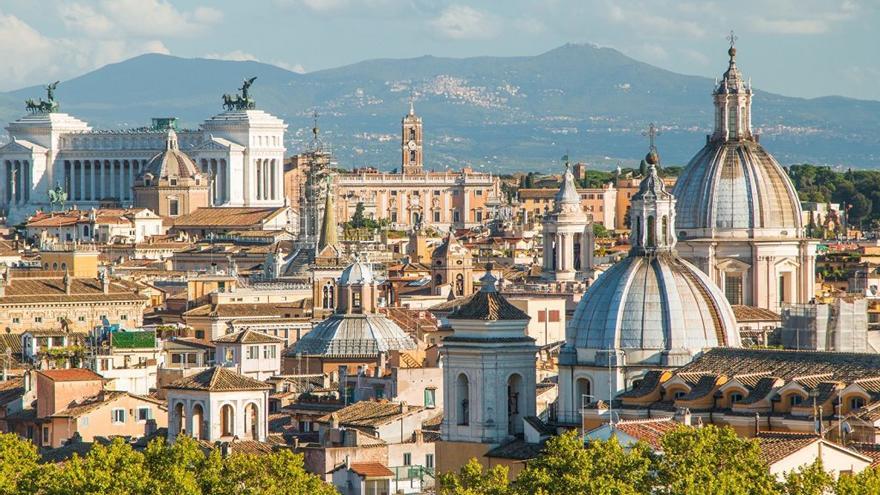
(41, 106)
(241, 101)
(57, 196)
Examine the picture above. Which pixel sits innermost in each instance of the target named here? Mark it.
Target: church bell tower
(411, 142)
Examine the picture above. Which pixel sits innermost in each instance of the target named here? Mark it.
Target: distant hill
(498, 113)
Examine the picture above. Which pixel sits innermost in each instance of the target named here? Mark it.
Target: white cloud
(235, 55)
(136, 18)
(29, 57)
(461, 22)
(240, 56)
(790, 26)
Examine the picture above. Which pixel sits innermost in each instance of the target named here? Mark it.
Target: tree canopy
(694, 461)
(181, 468)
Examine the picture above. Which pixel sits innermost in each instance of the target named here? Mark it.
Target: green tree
(112, 469)
(20, 471)
(808, 480)
(175, 468)
(358, 220)
(600, 231)
(712, 461)
(567, 466)
(472, 480)
(865, 483)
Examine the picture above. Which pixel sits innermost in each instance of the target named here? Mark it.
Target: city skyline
(780, 41)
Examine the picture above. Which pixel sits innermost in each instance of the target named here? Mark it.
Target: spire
(487, 281)
(567, 194)
(733, 101)
(171, 140)
(328, 224)
(412, 108)
(652, 209)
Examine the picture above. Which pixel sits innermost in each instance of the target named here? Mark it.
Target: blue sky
(794, 47)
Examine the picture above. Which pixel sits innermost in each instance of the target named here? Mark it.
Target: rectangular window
(479, 215)
(437, 193)
(253, 352)
(542, 316)
(173, 207)
(118, 416)
(407, 459)
(123, 317)
(304, 426)
(229, 355)
(172, 181)
(269, 352)
(191, 358)
(144, 414)
(16, 319)
(379, 393)
(84, 421)
(436, 216)
(46, 439)
(429, 461)
(479, 193)
(455, 216)
(733, 287)
(176, 358)
(554, 316)
(38, 319)
(430, 398)
(81, 318)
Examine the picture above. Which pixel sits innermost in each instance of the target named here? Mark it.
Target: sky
(802, 48)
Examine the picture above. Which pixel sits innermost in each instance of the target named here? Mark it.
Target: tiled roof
(10, 341)
(650, 431)
(11, 389)
(246, 310)
(517, 450)
(240, 447)
(370, 413)
(192, 342)
(753, 313)
(760, 390)
(646, 386)
(486, 305)
(218, 379)
(776, 446)
(248, 337)
(47, 290)
(871, 450)
(104, 398)
(71, 375)
(788, 365)
(703, 387)
(371, 469)
(232, 217)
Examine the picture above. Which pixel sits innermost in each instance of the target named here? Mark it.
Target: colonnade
(216, 172)
(16, 182)
(267, 182)
(96, 180)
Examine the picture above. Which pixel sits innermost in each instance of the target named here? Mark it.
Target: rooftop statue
(241, 101)
(57, 196)
(42, 106)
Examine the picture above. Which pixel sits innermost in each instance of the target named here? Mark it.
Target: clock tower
(411, 142)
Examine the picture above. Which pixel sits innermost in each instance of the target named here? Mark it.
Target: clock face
(411, 145)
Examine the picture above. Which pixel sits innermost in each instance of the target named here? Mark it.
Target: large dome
(736, 185)
(171, 163)
(654, 303)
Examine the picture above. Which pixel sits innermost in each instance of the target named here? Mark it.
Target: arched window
(412, 133)
(679, 394)
(227, 421)
(514, 406)
(180, 418)
(198, 418)
(651, 242)
(412, 156)
(732, 117)
(584, 391)
(735, 397)
(664, 226)
(438, 279)
(856, 403)
(459, 285)
(795, 400)
(251, 423)
(328, 297)
(462, 392)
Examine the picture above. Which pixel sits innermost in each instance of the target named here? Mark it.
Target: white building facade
(241, 151)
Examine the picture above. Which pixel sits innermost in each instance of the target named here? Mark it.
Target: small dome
(357, 273)
(354, 335)
(654, 303)
(652, 158)
(171, 163)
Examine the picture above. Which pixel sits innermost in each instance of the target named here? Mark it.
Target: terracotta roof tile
(71, 375)
(232, 217)
(248, 337)
(218, 379)
(650, 431)
(370, 413)
(776, 446)
(753, 313)
(485, 305)
(371, 469)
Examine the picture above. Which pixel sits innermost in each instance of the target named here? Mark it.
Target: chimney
(383, 361)
(686, 417)
(105, 283)
(403, 407)
(757, 424)
(334, 420)
(67, 282)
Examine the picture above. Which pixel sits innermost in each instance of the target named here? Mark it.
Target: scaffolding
(841, 326)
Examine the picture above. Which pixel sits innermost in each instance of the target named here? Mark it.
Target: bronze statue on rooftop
(41, 106)
(241, 101)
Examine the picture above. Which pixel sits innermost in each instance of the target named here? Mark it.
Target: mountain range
(496, 113)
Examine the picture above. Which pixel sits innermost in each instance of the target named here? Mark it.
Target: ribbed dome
(654, 303)
(357, 273)
(733, 185)
(354, 335)
(171, 163)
